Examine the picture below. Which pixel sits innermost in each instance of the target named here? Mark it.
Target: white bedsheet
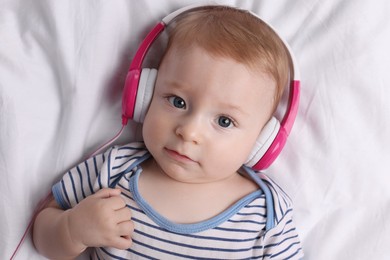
(62, 67)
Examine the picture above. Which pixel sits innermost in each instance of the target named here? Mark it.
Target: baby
(183, 192)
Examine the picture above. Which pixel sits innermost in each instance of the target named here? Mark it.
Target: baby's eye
(225, 122)
(177, 102)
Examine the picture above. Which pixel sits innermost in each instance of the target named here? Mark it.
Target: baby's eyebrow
(232, 107)
(175, 84)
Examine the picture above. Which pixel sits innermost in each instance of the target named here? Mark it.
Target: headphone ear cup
(264, 141)
(144, 93)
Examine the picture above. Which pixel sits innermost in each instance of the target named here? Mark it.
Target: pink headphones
(139, 87)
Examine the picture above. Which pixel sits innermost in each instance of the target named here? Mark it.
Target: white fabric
(63, 65)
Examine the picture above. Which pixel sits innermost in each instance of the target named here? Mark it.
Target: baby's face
(205, 115)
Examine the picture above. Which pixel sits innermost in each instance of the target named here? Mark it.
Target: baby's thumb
(107, 193)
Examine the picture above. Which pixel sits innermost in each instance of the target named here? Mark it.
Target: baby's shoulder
(119, 153)
(125, 157)
(128, 149)
(281, 200)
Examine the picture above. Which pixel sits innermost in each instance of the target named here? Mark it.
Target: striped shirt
(258, 226)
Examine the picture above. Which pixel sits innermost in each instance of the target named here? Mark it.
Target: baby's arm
(101, 219)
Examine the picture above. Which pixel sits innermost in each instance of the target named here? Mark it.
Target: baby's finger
(107, 193)
(122, 243)
(123, 214)
(117, 203)
(125, 229)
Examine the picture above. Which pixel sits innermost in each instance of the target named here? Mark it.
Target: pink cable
(44, 202)
(100, 149)
(39, 207)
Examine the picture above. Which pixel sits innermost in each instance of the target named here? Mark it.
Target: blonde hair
(230, 32)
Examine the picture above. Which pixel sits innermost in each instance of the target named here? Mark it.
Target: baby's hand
(101, 219)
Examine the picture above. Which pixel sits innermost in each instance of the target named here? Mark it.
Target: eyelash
(172, 99)
(232, 122)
